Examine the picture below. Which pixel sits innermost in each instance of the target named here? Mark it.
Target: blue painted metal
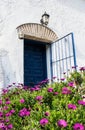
(74, 50)
(34, 62)
(51, 62)
(65, 56)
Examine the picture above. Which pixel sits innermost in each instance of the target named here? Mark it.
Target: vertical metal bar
(62, 55)
(74, 54)
(69, 52)
(59, 58)
(66, 56)
(56, 58)
(51, 66)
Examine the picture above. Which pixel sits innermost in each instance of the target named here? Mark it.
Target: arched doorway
(36, 38)
(57, 56)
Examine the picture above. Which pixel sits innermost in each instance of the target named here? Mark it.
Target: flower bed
(55, 107)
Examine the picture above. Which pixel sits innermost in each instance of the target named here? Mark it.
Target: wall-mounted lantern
(45, 19)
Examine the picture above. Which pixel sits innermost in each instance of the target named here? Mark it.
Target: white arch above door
(36, 32)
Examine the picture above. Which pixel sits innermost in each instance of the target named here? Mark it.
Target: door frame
(48, 67)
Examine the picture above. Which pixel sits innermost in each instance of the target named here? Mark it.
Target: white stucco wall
(65, 16)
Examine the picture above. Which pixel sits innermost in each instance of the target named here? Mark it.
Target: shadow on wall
(6, 73)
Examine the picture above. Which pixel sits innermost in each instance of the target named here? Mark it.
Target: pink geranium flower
(37, 88)
(43, 121)
(72, 106)
(62, 79)
(22, 100)
(55, 93)
(32, 89)
(71, 84)
(62, 123)
(47, 113)
(78, 126)
(82, 68)
(5, 91)
(24, 112)
(8, 114)
(5, 107)
(39, 98)
(1, 114)
(81, 102)
(2, 126)
(12, 111)
(10, 126)
(7, 120)
(8, 102)
(50, 90)
(65, 90)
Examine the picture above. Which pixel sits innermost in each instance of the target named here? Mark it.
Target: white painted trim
(48, 61)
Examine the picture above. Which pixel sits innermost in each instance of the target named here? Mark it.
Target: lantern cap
(45, 14)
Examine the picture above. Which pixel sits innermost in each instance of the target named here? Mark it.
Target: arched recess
(36, 32)
(36, 55)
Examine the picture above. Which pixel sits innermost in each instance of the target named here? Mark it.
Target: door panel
(34, 62)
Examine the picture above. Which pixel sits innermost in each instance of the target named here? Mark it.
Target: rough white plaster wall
(65, 16)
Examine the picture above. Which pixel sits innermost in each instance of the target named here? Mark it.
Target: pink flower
(5, 107)
(32, 89)
(7, 120)
(47, 113)
(27, 113)
(82, 68)
(55, 93)
(72, 106)
(5, 91)
(2, 125)
(62, 123)
(50, 89)
(37, 88)
(8, 102)
(43, 121)
(65, 90)
(10, 126)
(8, 114)
(24, 112)
(21, 113)
(39, 98)
(78, 126)
(81, 102)
(1, 114)
(74, 67)
(71, 84)
(12, 111)
(62, 79)
(22, 100)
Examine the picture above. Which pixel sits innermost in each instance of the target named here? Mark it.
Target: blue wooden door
(34, 62)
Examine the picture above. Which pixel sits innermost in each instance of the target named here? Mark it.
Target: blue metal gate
(62, 56)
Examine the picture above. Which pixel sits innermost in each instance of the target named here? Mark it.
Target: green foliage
(56, 104)
(77, 77)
